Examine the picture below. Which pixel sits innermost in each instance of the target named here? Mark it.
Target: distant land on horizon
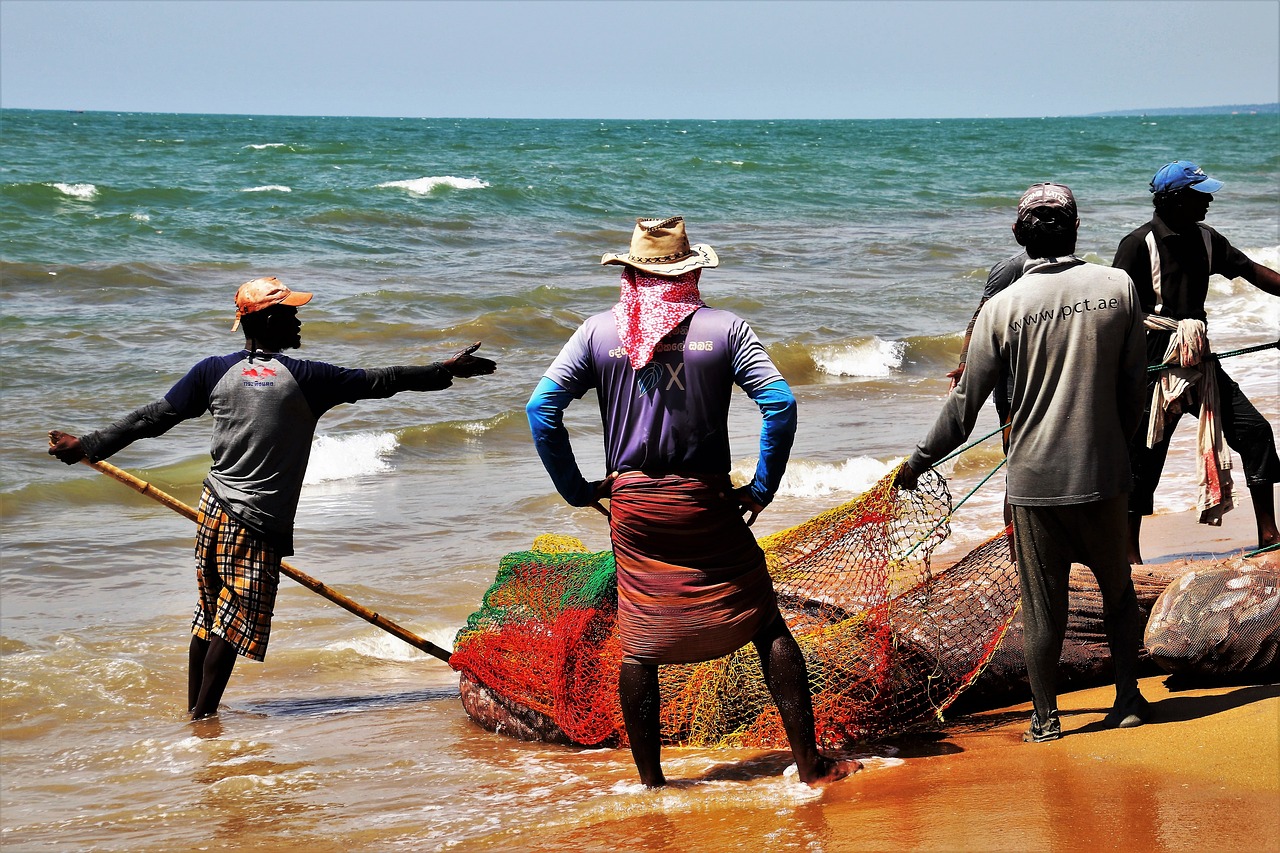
(1227, 109)
(1224, 109)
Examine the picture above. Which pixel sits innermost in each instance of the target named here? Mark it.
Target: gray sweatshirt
(1071, 336)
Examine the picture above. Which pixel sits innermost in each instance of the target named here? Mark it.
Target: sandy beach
(1203, 775)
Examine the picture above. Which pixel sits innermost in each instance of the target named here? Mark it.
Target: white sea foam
(80, 191)
(240, 785)
(269, 188)
(820, 479)
(138, 216)
(343, 457)
(383, 646)
(266, 145)
(869, 358)
(426, 186)
(1239, 313)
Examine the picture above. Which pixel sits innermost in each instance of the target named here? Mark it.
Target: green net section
(889, 643)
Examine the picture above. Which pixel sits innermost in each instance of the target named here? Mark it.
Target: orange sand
(1203, 775)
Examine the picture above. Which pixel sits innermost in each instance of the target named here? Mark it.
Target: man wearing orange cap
(265, 406)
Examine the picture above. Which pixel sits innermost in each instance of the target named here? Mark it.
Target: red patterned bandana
(650, 307)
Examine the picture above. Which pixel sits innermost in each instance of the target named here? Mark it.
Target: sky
(710, 59)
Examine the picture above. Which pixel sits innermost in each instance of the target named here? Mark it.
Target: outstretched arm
(147, 422)
(1265, 279)
(342, 385)
(463, 364)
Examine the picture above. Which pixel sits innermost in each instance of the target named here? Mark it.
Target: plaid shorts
(237, 574)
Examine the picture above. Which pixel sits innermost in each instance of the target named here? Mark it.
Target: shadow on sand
(298, 707)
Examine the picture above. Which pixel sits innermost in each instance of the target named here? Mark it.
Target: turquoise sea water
(857, 249)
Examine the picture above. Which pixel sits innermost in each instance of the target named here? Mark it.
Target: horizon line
(1268, 108)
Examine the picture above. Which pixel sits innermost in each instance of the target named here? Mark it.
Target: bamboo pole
(145, 488)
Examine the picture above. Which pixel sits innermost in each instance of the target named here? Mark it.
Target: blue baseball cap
(1183, 173)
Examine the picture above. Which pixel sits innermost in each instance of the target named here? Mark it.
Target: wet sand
(1203, 775)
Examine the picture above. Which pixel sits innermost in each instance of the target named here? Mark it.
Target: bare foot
(830, 770)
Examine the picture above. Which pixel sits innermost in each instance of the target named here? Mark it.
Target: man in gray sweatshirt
(265, 406)
(1071, 335)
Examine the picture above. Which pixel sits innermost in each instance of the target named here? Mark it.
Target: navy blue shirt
(265, 407)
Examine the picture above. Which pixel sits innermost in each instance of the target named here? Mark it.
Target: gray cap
(1047, 194)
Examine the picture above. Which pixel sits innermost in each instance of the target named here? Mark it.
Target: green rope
(946, 518)
(1150, 369)
(1153, 368)
(970, 445)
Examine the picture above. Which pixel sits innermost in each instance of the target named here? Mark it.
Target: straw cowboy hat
(660, 246)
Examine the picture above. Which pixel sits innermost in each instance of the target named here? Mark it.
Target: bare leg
(788, 681)
(215, 673)
(1264, 510)
(641, 703)
(1135, 530)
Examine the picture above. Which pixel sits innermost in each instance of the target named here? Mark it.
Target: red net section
(889, 643)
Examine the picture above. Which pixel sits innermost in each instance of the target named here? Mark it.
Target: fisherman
(999, 277)
(1170, 260)
(692, 582)
(1072, 334)
(265, 406)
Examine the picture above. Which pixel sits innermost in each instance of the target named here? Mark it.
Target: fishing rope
(970, 445)
(1272, 547)
(1150, 369)
(1154, 368)
(889, 644)
(947, 518)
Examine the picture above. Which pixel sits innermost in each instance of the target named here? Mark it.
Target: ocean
(856, 249)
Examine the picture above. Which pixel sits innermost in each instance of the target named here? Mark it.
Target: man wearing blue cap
(1170, 260)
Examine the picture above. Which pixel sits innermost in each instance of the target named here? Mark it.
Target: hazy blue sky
(649, 59)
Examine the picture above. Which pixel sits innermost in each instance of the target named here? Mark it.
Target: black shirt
(1184, 267)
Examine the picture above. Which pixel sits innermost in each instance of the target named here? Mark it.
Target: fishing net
(889, 642)
(1220, 620)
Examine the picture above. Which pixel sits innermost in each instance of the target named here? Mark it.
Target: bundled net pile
(889, 643)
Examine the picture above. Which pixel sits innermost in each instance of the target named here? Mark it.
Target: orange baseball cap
(263, 293)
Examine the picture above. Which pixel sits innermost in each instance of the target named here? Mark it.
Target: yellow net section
(888, 642)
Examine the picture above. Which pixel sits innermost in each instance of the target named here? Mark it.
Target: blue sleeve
(545, 411)
(777, 432)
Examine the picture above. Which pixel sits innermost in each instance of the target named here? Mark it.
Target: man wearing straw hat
(692, 582)
(1071, 333)
(265, 406)
(1170, 260)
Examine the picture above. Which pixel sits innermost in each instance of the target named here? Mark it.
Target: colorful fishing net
(889, 643)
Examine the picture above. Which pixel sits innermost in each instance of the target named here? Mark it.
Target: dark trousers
(1246, 430)
(1048, 540)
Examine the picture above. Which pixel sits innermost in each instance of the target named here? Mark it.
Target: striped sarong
(692, 582)
(237, 574)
